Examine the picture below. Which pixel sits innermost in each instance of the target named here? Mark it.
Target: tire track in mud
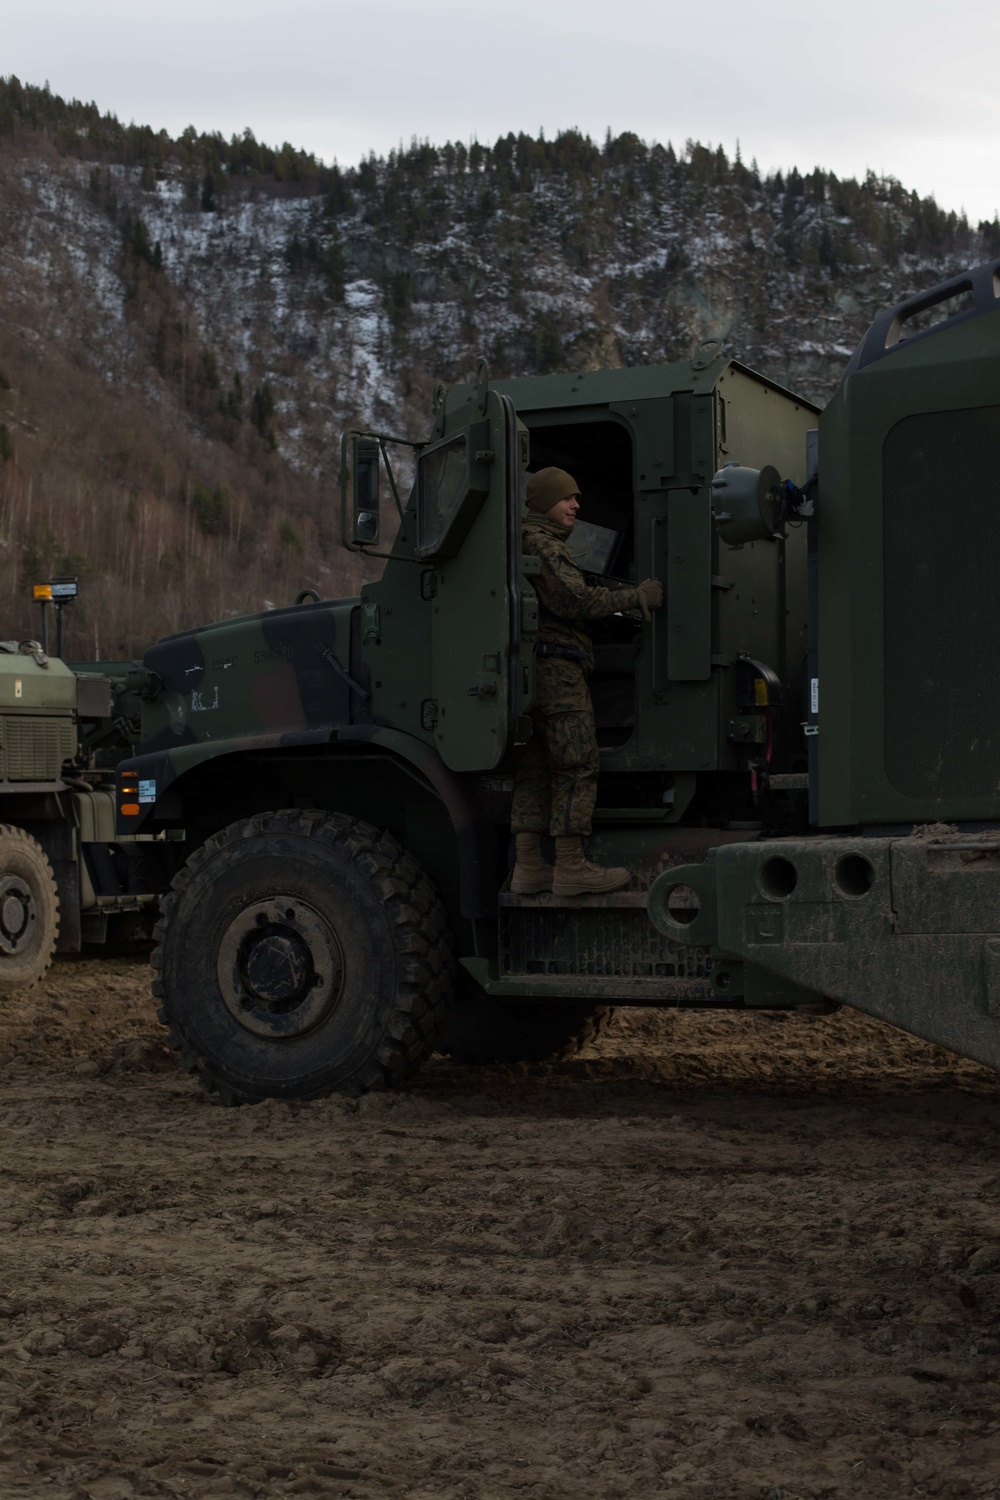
(714, 1256)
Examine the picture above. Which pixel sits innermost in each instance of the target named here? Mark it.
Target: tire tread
(421, 939)
(11, 830)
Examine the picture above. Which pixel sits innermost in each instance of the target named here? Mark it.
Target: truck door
(468, 533)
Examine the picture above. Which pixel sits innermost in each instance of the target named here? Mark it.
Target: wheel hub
(17, 912)
(276, 967)
(280, 968)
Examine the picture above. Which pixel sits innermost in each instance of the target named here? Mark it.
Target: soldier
(555, 773)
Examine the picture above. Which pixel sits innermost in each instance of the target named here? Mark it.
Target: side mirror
(362, 455)
(364, 490)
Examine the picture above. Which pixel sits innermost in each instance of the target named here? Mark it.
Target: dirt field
(716, 1257)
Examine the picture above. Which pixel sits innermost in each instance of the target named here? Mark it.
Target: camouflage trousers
(555, 773)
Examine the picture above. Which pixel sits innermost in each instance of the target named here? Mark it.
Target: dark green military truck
(340, 771)
(63, 878)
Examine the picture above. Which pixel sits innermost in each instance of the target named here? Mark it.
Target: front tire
(301, 954)
(29, 911)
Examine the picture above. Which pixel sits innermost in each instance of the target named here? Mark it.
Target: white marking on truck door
(198, 704)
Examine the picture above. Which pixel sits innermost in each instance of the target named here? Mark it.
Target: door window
(443, 484)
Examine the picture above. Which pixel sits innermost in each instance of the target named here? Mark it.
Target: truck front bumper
(905, 929)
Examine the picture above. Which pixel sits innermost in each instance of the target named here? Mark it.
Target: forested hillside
(188, 325)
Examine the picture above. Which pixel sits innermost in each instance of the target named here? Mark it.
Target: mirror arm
(392, 479)
(347, 540)
(349, 543)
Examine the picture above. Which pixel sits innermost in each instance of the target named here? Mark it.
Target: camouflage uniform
(555, 773)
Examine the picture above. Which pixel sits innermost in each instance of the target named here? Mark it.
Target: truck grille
(941, 531)
(34, 748)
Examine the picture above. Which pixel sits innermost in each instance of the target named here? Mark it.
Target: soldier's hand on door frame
(650, 592)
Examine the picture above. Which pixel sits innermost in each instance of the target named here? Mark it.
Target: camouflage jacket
(567, 601)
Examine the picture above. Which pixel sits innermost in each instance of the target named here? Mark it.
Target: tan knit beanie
(548, 487)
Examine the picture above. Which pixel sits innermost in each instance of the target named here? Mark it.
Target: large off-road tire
(301, 954)
(482, 1028)
(29, 911)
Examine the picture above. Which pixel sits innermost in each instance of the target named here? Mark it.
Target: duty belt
(545, 648)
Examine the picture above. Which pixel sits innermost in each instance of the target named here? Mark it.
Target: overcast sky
(909, 90)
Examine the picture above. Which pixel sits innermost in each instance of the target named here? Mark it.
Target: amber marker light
(128, 788)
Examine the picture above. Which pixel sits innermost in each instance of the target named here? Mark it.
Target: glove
(649, 595)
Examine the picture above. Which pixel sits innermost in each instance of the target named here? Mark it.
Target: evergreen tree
(262, 413)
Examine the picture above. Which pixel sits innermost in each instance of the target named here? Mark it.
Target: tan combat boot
(532, 871)
(575, 876)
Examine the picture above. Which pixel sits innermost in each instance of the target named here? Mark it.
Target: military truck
(340, 771)
(63, 878)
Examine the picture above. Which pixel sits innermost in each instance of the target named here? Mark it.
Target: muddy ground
(715, 1256)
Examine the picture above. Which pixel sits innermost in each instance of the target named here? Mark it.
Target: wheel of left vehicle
(29, 911)
(301, 954)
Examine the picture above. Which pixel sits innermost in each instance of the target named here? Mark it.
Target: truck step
(608, 989)
(599, 947)
(630, 896)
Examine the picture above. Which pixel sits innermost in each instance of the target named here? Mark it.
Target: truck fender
(150, 776)
(474, 832)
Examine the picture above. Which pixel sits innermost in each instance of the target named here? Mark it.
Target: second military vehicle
(64, 880)
(340, 771)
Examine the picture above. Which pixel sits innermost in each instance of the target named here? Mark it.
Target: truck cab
(404, 707)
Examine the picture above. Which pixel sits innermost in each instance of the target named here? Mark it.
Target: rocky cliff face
(188, 326)
(562, 257)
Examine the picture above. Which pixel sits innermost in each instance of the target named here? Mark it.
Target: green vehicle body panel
(27, 686)
(904, 545)
(249, 679)
(442, 639)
